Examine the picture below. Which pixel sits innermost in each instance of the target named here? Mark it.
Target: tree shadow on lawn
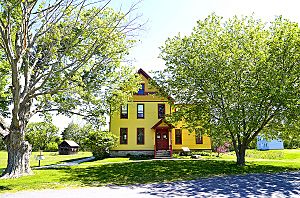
(2, 188)
(161, 171)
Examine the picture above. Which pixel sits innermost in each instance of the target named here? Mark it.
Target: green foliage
(5, 93)
(51, 147)
(71, 63)
(41, 134)
(100, 142)
(234, 78)
(63, 57)
(78, 134)
(2, 145)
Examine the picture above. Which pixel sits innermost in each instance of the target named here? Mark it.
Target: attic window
(142, 89)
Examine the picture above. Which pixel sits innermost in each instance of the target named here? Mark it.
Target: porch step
(163, 154)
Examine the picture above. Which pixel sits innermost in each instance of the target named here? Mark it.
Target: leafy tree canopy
(77, 133)
(63, 56)
(40, 134)
(234, 78)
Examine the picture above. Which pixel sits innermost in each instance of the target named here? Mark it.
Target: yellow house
(141, 127)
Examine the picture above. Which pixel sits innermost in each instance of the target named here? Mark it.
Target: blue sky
(166, 18)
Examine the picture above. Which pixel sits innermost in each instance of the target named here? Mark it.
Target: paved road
(252, 185)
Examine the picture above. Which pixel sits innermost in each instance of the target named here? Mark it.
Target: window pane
(161, 110)
(142, 89)
(199, 138)
(140, 136)
(124, 111)
(123, 136)
(140, 111)
(178, 136)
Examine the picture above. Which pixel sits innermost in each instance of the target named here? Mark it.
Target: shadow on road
(255, 185)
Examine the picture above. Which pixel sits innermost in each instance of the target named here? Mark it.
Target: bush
(100, 142)
(52, 147)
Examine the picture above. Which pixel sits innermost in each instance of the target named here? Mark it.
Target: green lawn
(50, 158)
(122, 171)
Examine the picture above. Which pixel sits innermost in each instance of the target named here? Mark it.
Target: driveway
(251, 185)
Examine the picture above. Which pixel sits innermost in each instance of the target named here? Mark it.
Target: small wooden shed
(68, 147)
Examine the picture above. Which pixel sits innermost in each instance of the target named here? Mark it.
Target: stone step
(163, 154)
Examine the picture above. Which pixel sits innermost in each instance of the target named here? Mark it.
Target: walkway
(251, 185)
(71, 163)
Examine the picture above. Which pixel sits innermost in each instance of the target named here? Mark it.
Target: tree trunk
(240, 155)
(19, 151)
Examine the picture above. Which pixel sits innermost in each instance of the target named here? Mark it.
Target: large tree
(234, 78)
(63, 56)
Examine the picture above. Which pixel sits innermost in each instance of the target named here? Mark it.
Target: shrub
(223, 148)
(100, 142)
(52, 147)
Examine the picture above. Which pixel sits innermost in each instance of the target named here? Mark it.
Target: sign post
(40, 157)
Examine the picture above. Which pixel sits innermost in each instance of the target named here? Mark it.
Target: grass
(50, 158)
(122, 171)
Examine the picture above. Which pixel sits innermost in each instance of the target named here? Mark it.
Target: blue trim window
(142, 89)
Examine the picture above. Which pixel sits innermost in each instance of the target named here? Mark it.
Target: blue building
(263, 144)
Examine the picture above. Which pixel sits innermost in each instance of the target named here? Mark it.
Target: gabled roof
(161, 121)
(71, 143)
(142, 72)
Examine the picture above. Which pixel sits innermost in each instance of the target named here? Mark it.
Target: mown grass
(122, 171)
(50, 158)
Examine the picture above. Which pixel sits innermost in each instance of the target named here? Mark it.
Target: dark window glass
(140, 136)
(123, 135)
(161, 110)
(178, 136)
(124, 111)
(199, 139)
(142, 89)
(140, 111)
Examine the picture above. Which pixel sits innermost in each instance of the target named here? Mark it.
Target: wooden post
(171, 149)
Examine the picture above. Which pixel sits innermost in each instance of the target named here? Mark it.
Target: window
(161, 110)
(140, 135)
(123, 135)
(140, 110)
(178, 136)
(199, 139)
(124, 111)
(142, 89)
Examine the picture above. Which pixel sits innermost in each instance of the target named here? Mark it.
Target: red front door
(162, 139)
